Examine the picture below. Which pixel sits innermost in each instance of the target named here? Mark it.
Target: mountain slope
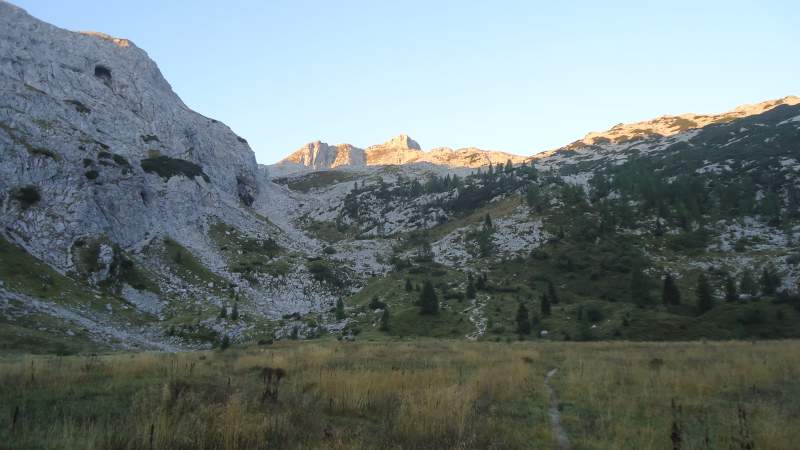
(108, 178)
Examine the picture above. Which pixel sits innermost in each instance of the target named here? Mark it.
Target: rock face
(81, 117)
(399, 150)
(319, 155)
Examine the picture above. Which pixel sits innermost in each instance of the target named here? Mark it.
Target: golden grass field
(408, 395)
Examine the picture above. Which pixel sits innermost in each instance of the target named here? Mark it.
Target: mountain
(400, 150)
(665, 126)
(128, 209)
(130, 221)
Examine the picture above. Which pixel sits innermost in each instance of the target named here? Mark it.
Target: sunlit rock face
(399, 150)
(80, 114)
(666, 126)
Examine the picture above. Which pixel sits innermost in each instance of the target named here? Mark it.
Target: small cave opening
(102, 72)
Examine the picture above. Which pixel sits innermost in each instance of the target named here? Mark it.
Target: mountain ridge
(399, 150)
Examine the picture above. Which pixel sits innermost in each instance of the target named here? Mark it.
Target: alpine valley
(129, 221)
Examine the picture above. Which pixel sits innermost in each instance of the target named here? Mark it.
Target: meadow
(422, 394)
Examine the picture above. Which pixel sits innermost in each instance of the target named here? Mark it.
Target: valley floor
(421, 394)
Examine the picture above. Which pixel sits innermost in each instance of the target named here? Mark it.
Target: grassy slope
(21, 272)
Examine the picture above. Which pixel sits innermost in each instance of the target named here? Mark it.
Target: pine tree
(670, 295)
(225, 343)
(640, 294)
(659, 230)
(409, 286)
(552, 295)
(545, 305)
(481, 283)
(584, 331)
(235, 312)
(385, 319)
(509, 166)
(429, 303)
(747, 284)
(769, 281)
(523, 320)
(223, 312)
(470, 294)
(730, 289)
(340, 315)
(705, 300)
(487, 223)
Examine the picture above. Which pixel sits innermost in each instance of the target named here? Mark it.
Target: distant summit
(399, 150)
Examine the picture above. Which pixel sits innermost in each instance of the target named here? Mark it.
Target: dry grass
(415, 395)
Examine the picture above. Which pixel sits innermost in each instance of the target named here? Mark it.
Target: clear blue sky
(520, 76)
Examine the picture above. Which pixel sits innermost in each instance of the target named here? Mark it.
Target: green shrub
(39, 151)
(322, 272)
(26, 196)
(92, 174)
(167, 167)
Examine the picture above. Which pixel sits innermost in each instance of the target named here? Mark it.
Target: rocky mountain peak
(400, 141)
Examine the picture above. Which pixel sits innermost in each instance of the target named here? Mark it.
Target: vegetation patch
(167, 167)
(26, 196)
(316, 180)
(189, 267)
(245, 255)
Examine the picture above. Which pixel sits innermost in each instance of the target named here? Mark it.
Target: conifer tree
(769, 281)
(225, 343)
(340, 315)
(487, 223)
(584, 331)
(509, 166)
(670, 295)
(480, 284)
(223, 312)
(705, 300)
(470, 294)
(428, 301)
(640, 294)
(552, 295)
(545, 305)
(409, 286)
(235, 312)
(523, 320)
(731, 295)
(385, 319)
(747, 284)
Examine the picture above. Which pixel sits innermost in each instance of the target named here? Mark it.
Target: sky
(516, 76)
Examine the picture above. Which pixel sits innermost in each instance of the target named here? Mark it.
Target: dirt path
(477, 318)
(555, 415)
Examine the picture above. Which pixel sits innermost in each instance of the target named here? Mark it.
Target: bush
(167, 167)
(322, 272)
(92, 174)
(26, 196)
(376, 303)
